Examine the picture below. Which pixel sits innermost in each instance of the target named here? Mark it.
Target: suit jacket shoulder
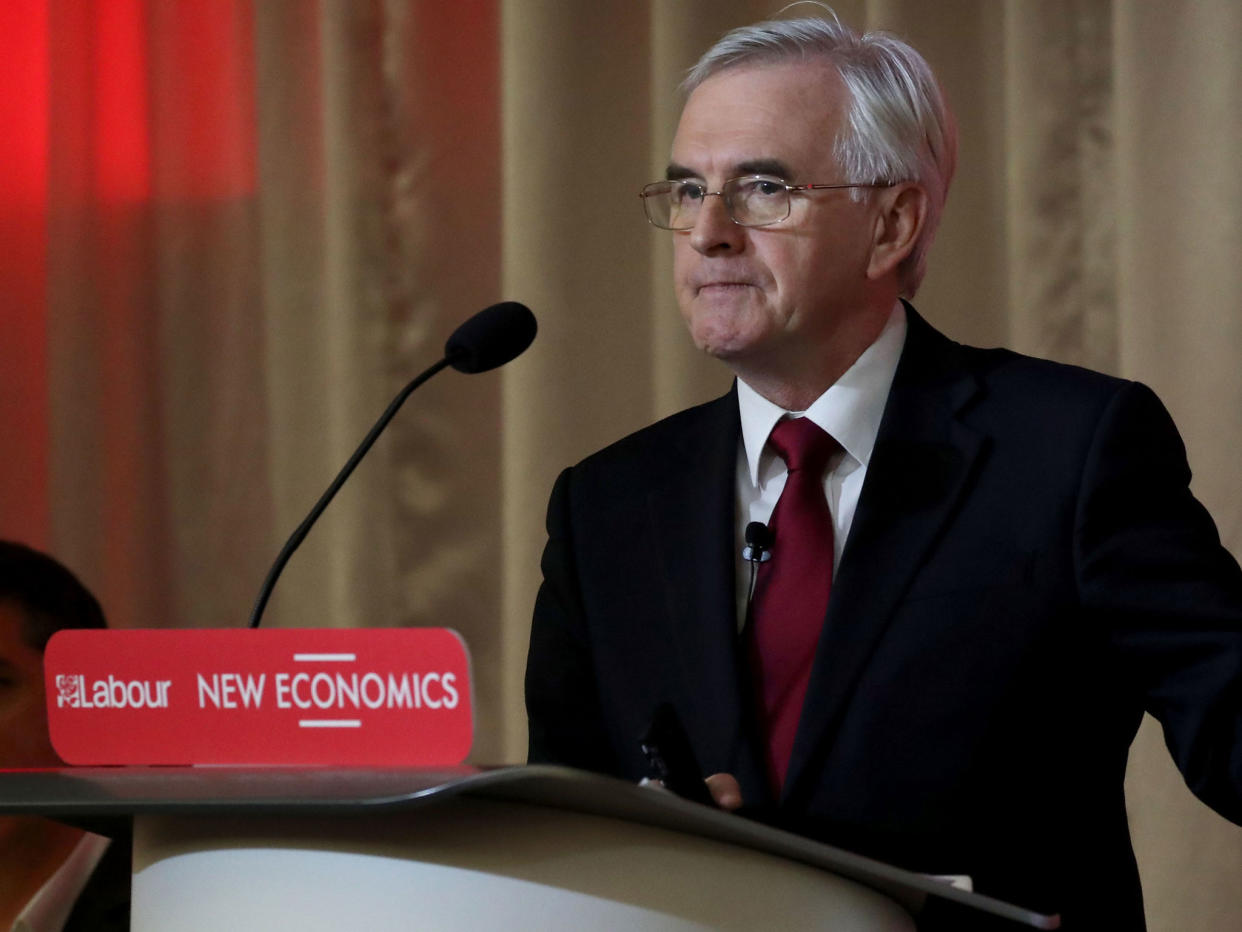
(670, 445)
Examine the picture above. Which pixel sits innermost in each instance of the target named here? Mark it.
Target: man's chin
(719, 337)
(728, 351)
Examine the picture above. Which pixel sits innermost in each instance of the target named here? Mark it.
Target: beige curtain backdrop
(212, 364)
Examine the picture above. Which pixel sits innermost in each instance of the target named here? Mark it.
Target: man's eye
(689, 192)
(759, 189)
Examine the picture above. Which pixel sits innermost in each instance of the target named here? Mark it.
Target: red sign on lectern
(389, 696)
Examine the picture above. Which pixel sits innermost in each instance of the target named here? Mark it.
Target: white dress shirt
(850, 411)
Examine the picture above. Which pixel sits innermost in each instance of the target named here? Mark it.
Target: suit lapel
(919, 468)
(691, 512)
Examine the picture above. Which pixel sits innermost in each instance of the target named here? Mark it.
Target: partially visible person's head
(38, 597)
(897, 125)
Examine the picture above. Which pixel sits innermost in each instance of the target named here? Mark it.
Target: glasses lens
(756, 201)
(752, 201)
(673, 205)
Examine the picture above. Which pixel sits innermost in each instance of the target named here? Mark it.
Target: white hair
(899, 125)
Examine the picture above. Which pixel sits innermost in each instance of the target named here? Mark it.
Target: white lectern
(535, 847)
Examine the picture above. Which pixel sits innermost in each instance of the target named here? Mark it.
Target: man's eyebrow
(774, 167)
(676, 172)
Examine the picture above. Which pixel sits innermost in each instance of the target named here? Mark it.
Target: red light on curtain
(23, 103)
(121, 117)
(164, 95)
(205, 104)
(24, 509)
(151, 105)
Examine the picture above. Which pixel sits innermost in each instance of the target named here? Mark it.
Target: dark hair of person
(49, 595)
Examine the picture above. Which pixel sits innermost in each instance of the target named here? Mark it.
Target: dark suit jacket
(1026, 573)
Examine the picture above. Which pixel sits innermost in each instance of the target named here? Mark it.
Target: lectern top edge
(75, 793)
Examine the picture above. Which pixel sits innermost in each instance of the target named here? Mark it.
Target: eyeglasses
(751, 200)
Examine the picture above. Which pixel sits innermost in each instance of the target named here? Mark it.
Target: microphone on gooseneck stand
(490, 338)
(494, 336)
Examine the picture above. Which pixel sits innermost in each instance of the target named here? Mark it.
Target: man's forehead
(772, 119)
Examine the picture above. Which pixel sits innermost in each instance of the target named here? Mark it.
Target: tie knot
(802, 444)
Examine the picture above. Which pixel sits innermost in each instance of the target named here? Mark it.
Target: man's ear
(902, 214)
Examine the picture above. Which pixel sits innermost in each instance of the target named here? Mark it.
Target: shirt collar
(850, 410)
(50, 907)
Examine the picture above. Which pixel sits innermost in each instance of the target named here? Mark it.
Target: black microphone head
(491, 337)
(759, 535)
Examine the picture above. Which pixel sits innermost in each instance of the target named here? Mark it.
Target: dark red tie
(791, 591)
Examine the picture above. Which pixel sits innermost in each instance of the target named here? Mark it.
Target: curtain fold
(24, 391)
(574, 81)
(153, 364)
(1178, 80)
(1061, 182)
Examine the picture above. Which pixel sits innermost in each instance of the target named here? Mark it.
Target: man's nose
(714, 230)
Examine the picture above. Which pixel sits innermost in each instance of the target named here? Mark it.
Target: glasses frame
(647, 191)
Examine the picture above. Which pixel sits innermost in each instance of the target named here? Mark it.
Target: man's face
(24, 740)
(768, 296)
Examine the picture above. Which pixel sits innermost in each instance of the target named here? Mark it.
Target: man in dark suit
(1009, 569)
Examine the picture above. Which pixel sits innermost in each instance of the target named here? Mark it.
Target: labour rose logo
(72, 687)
